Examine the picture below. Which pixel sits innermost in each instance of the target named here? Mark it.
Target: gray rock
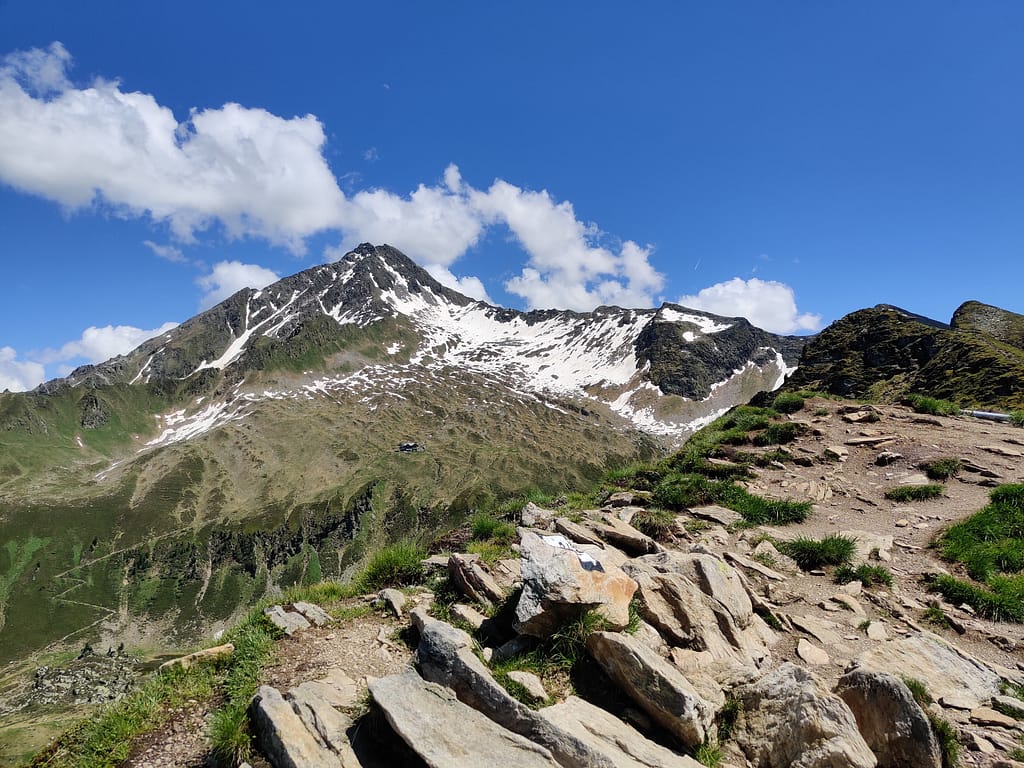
(282, 736)
(624, 535)
(946, 670)
(336, 688)
(699, 602)
(716, 514)
(811, 653)
(560, 582)
(314, 614)
(530, 682)
(473, 581)
(789, 720)
(656, 686)
(534, 516)
(446, 733)
(891, 722)
(327, 725)
(870, 546)
(577, 532)
(445, 656)
(622, 744)
(288, 622)
(1011, 705)
(468, 614)
(394, 600)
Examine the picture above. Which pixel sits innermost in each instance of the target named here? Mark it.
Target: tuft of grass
(1017, 418)
(778, 433)
(990, 544)
(395, 565)
(725, 720)
(709, 754)
(485, 527)
(1002, 599)
(942, 469)
(931, 405)
(490, 551)
(945, 733)
(919, 691)
(834, 549)
(935, 615)
(682, 491)
(655, 522)
(905, 493)
(866, 574)
(788, 402)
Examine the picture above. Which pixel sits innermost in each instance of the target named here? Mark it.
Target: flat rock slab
(282, 735)
(314, 614)
(944, 669)
(620, 742)
(446, 733)
(288, 622)
(717, 514)
(811, 653)
(577, 532)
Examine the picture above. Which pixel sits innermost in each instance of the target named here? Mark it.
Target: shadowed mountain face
(255, 445)
(884, 352)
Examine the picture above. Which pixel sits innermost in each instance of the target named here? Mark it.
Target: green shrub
(733, 436)
(834, 549)
(1017, 418)
(788, 402)
(396, 565)
(934, 614)
(905, 493)
(682, 491)
(866, 574)
(746, 418)
(778, 433)
(942, 469)
(484, 527)
(931, 406)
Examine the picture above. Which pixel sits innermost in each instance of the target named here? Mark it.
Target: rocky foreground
(711, 643)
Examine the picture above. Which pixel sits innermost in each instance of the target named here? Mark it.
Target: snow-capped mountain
(664, 371)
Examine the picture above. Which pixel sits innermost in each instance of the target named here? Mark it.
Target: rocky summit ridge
(659, 369)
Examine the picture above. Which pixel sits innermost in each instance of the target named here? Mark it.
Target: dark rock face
(94, 411)
(887, 353)
(689, 368)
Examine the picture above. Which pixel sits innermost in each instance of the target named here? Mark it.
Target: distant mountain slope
(885, 352)
(256, 443)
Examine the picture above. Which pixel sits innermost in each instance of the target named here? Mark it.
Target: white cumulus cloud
(19, 375)
(229, 277)
(255, 173)
(765, 303)
(97, 344)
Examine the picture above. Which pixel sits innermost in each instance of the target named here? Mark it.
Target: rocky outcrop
(562, 580)
(283, 737)
(445, 656)
(894, 726)
(789, 720)
(699, 603)
(622, 744)
(446, 733)
(658, 687)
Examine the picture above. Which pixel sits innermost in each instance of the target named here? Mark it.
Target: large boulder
(658, 687)
(561, 580)
(446, 733)
(625, 746)
(789, 720)
(698, 602)
(944, 669)
(445, 656)
(891, 722)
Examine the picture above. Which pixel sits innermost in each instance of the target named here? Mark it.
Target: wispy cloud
(167, 252)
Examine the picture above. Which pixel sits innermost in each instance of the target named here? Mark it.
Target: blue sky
(787, 161)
